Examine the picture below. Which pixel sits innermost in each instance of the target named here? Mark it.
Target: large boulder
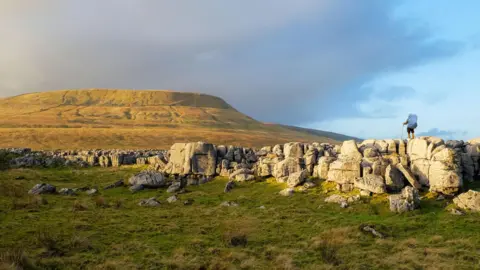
(310, 159)
(371, 182)
(408, 200)
(443, 179)
(321, 170)
(293, 149)
(469, 200)
(394, 179)
(242, 175)
(297, 178)
(344, 171)
(409, 176)
(284, 168)
(349, 151)
(417, 149)
(148, 178)
(192, 158)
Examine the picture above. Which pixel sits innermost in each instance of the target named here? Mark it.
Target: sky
(352, 67)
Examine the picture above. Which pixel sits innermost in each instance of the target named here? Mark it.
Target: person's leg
(413, 133)
(409, 130)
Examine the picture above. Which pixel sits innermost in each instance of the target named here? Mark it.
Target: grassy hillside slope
(101, 118)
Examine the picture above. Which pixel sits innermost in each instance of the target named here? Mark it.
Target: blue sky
(353, 67)
(444, 93)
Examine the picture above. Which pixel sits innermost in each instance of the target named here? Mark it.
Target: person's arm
(406, 122)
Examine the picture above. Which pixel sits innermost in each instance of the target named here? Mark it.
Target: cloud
(445, 134)
(292, 62)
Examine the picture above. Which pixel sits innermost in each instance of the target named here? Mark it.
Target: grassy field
(110, 231)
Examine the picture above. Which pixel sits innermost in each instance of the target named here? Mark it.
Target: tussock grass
(111, 231)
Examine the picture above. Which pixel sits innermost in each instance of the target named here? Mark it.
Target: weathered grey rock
(409, 176)
(372, 183)
(309, 185)
(67, 192)
(136, 188)
(286, 192)
(117, 159)
(344, 171)
(119, 183)
(188, 202)
(152, 202)
(92, 192)
(335, 198)
(421, 168)
(365, 193)
(417, 149)
(172, 199)
(286, 167)
(149, 179)
(297, 178)
(174, 187)
(197, 158)
(229, 204)
(443, 179)
(293, 150)
(321, 170)
(42, 189)
(409, 200)
(349, 151)
(242, 175)
(469, 200)
(104, 161)
(394, 179)
(229, 186)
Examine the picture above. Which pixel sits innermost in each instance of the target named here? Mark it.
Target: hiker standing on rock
(411, 125)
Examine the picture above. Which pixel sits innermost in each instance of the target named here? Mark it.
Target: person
(411, 125)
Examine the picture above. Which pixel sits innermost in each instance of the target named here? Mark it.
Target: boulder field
(372, 166)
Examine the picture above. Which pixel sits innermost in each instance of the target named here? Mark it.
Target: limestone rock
(119, 183)
(293, 149)
(229, 186)
(394, 179)
(343, 171)
(443, 179)
(149, 179)
(229, 204)
(42, 189)
(349, 151)
(152, 202)
(286, 167)
(297, 178)
(321, 170)
(172, 199)
(67, 192)
(286, 192)
(469, 200)
(136, 188)
(409, 200)
(372, 183)
(409, 176)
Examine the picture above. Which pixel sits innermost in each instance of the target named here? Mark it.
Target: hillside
(101, 118)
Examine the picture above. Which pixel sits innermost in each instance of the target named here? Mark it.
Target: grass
(110, 231)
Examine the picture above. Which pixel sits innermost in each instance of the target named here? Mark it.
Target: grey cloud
(445, 134)
(292, 62)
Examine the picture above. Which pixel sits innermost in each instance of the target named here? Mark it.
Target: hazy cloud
(292, 62)
(445, 134)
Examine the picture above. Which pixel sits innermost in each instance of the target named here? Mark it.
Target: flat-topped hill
(102, 118)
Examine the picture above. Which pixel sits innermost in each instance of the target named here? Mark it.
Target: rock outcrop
(469, 200)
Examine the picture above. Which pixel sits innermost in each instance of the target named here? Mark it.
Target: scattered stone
(188, 202)
(262, 207)
(365, 193)
(67, 192)
(469, 200)
(119, 183)
(149, 179)
(372, 231)
(229, 186)
(309, 185)
(92, 191)
(335, 198)
(172, 199)
(228, 204)
(456, 212)
(42, 189)
(440, 197)
(149, 202)
(20, 178)
(287, 192)
(409, 200)
(82, 189)
(136, 188)
(343, 204)
(174, 187)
